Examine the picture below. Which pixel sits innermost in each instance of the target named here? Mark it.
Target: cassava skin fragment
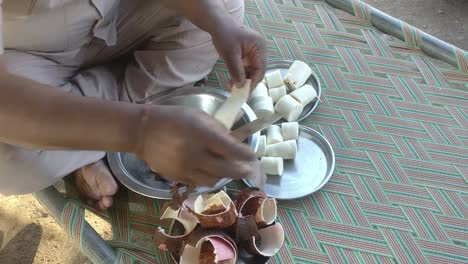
(274, 79)
(290, 130)
(297, 75)
(272, 165)
(305, 94)
(273, 135)
(289, 108)
(272, 239)
(267, 213)
(284, 150)
(212, 211)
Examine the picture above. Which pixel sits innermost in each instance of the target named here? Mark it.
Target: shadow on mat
(22, 248)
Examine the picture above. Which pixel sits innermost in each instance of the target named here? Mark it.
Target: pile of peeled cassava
(216, 228)
(285, 96)
(279, 144)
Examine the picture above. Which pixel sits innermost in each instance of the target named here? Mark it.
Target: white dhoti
(123, 50)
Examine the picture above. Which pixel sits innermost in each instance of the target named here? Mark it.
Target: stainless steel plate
(308, 173)
(283, 66)
(133, 173)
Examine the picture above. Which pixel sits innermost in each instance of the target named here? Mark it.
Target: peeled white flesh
(272, 165)
(261, 149)
(305, 94)
(263, 106)
(284, 150)
(277, 93)
(274, 79)
(290, 130)
(259, 91)
(289, 108)
(297, 75)
(273, 135)
(231, 108)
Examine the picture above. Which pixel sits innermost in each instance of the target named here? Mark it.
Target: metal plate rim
(280, 63)
(327, 177)
(114, 162)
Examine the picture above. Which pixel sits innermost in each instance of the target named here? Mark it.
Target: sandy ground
(29, 235)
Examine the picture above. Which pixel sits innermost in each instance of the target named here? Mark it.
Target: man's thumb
(236, 68)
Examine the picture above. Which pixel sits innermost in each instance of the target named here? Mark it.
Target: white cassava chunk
(290, 130)
(272, 165)
(274, 135)
(259, 91)
(305, 94)
(297, 75)
(261, 149)
(274, 79)
(263, 106)
(285, 150)
(229, 111)
(289, 108)
(277, 93)
(264, 81)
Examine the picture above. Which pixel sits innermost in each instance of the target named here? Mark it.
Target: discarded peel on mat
(206, 247)
(253, 202)
(216, 211)
(170, 242)
(270, 242)
(215, 228)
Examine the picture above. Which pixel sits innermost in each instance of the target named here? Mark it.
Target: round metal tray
(308, 173)
(133, 172)
(283, 65)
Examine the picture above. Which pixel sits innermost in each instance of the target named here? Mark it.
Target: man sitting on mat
(73, 72)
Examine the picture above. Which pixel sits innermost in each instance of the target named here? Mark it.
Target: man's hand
(191, 147)
(243, 50)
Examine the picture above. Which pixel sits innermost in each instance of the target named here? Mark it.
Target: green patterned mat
(399, 125)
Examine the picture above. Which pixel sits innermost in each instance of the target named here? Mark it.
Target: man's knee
(38, 68)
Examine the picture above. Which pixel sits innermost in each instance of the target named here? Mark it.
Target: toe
(105, 203)
(107, 185)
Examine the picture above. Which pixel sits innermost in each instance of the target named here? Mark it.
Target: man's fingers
(225, 146)
(236, 67)
(221, 168)
(203, 178)
(258, 65)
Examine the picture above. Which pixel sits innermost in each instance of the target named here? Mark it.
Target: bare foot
(95, 185)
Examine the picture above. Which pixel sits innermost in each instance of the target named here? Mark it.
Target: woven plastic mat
(398, 121)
